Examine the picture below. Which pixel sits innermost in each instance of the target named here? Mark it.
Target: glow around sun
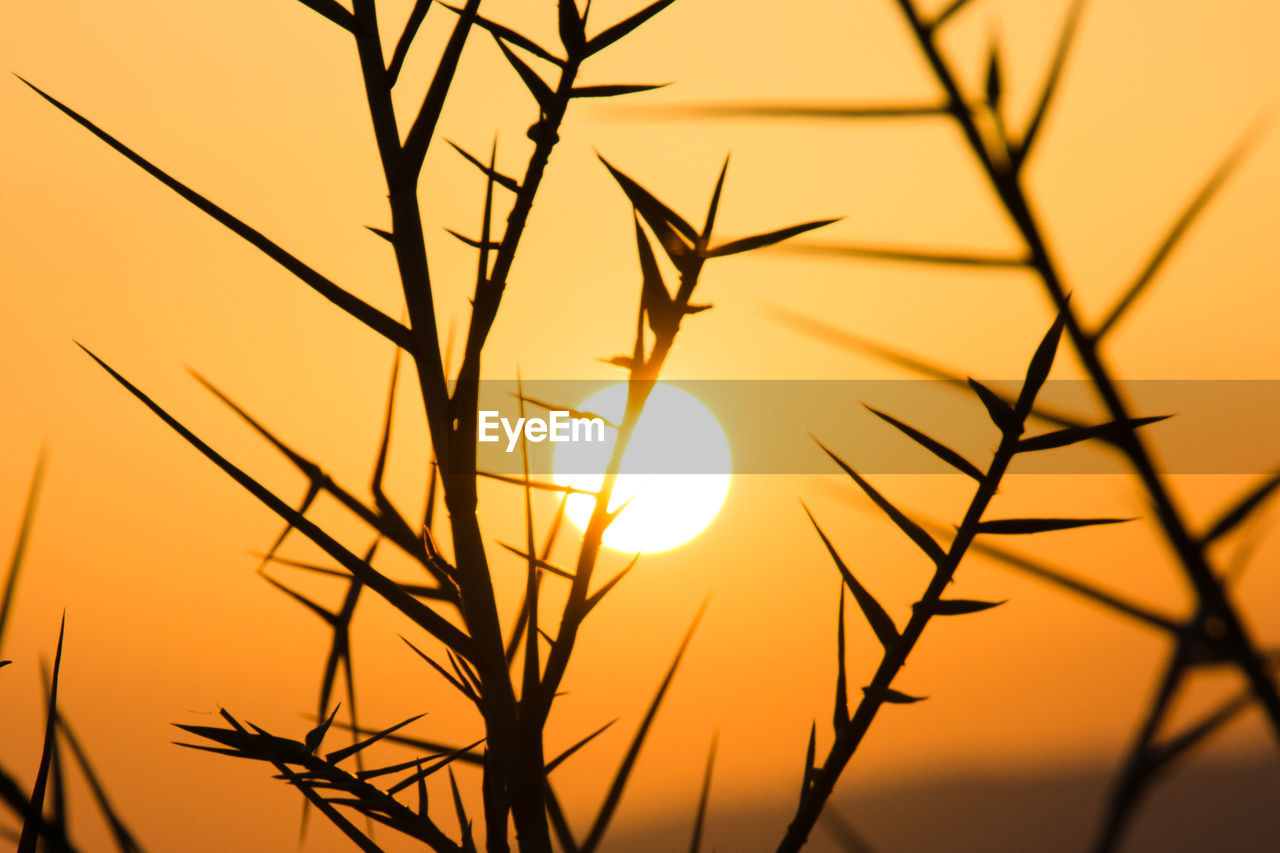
(666, 510)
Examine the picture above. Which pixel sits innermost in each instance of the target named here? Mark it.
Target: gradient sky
(258, 105)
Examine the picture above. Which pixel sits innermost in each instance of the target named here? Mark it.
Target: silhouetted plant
(513, 706)
(40, 827)
(1213, 633)
(1010, 418)
(503, 672)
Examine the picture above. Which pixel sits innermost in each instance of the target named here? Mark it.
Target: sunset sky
(259, 106)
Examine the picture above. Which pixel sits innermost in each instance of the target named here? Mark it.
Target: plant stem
(488, 298)
(1006, 180)
(523, 785)
(642, 380)
(1128, 789)
(818, 791)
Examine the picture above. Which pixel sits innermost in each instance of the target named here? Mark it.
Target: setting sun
(485, 310)
(666, 510)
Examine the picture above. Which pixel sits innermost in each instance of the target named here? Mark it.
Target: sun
(675, 473)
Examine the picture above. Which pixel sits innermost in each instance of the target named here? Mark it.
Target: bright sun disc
(666, 510)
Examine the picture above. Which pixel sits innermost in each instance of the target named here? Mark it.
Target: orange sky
(258, 105)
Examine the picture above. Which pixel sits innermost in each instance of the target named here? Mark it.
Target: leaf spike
(613, 90)
(614, 794)
(914, 531)
(428, 513)
(56, 829)
(414, 150)
(387, 521)
(562, 757)
(1198, 204)
(759, 241)
(1065, 39)
(1041, 364)
(1241, 556)
(504, 181)
(623, 28)
(935, 447)
(439, 764)
(347, 752)
(422, 791)
(842, 689)
(894, 697)
(993, 88)
(809, 756)
(537, 562)
(393, 331)
(704, 239)
(1024, 526)
(498, 31)
(1242, 509)
(334, 11)
(822, 112)
(559, 824)
(917, 256)
(700, 820)
(552, 407)
(316, 736)
(328, 617)
(33, 821)
(655, 301)
(612, 515)
(598, 595)
(464, 670)
(473, 242)
(384, 440)
(557, 522)
(425, 617)
(1179, 744)
(655, 213)
(945, 15)
(1112, 431)
(1001, 413)
(303, 464)
(535, 84)
(486, 243)
(886, 631)
(954, 606)
(532, 682)
(1062, 579)
(416, 17)
(464, 822)
(536, 484)
(20, 548)
(572, 33)
(460, 685)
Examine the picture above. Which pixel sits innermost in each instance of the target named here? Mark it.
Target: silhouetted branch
(365, 313)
